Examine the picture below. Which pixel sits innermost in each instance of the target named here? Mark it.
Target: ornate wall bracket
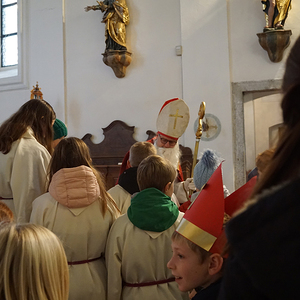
(275, 42)
(118, 60)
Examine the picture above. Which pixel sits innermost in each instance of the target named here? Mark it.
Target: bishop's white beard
(171, 154)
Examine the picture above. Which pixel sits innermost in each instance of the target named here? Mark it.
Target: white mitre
(173, 119)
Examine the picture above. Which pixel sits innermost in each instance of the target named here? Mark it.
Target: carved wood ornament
(108, 155)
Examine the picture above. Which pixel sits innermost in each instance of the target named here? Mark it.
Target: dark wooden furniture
(108, 155)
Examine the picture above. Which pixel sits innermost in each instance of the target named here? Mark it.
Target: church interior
(149, 149)
(189, 49)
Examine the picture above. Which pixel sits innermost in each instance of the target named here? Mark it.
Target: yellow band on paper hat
(196, 235)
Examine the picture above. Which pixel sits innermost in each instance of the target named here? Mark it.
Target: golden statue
(276, 13)
(36, 92)
(116, 17)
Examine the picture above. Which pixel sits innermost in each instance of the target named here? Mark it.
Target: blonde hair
(155, 171)
(202, 254)
(73, 152)
(263, 159)
(5, 213)
(33, 264)
(140, 150)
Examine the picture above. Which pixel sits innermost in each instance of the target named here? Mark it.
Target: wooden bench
(108, 155)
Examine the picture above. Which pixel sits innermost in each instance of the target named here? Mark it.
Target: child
(203, 170)
(198, 242)
(138, 246)
(25, 152)
(79, 211)
(190, 259)
(33, 264)
(262, 161)
(127, 184)
(60, 132)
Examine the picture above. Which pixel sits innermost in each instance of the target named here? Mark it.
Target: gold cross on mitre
(176, 116)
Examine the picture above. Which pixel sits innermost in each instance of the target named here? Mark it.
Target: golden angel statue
(116, 17)
(276, 13)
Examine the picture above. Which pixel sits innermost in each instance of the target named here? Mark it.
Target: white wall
(206, 73)
(249, 61)
(95, 96)
(219, 43)
(43, 61)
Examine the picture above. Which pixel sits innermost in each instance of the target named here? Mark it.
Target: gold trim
(196, 235)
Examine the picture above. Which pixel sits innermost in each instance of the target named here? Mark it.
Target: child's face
(185, 264)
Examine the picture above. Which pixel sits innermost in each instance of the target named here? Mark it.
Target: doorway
(262, 121)
(256, 122)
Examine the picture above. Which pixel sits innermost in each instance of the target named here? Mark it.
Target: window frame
(3, 36)
(14, 77)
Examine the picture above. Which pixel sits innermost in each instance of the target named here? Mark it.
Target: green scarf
(152, 210)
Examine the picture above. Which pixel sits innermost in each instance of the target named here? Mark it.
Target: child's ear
(128, 164)
(167, 187)
(215, 264)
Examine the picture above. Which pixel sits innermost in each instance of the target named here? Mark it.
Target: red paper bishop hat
(236, 200)
(173, 118)
(202, 223)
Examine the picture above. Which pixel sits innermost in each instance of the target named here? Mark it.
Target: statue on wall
(116, 18)
(274, 39)
(36, 92)
(276, 13)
